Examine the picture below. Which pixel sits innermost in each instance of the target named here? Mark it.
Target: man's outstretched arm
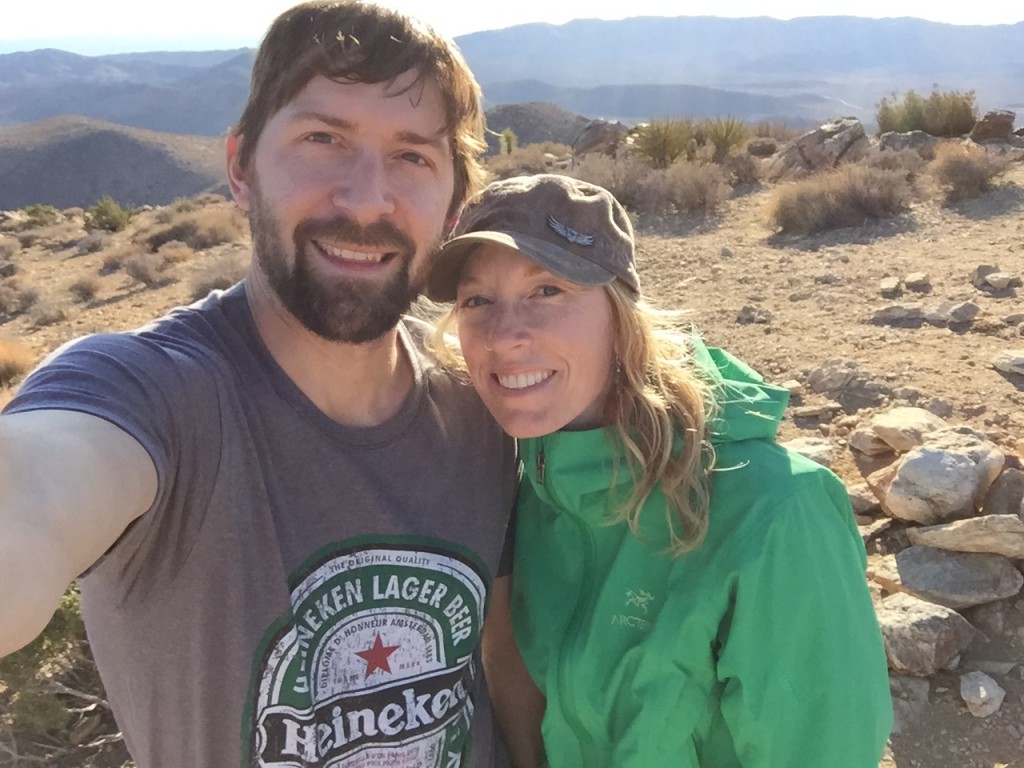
(70, 483)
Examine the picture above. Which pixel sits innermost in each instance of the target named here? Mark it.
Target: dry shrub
(8, 248)
(116, 258)
(15, 360)
(146, 268)
(965, 170)
(15, 299)
(92, 243)
(685, 187)
(623, 176)
(201, 229)
(175, 252)
(908, 161)
(519, 162)
(47, 313)
(218, 273)
(742, 169)
(84, 288)
(846, 197)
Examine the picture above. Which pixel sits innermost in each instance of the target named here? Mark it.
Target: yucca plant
(724, 134)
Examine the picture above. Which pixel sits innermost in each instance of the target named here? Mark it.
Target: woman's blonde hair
(659, 412)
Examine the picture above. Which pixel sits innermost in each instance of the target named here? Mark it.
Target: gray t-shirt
(301, 593)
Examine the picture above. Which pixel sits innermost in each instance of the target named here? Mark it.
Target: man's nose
(363, 189)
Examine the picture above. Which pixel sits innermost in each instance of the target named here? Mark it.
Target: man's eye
(415, 158)
(320, 138)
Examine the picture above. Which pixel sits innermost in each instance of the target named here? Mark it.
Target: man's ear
(237, 178)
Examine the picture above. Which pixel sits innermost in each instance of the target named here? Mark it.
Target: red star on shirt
(376, 656)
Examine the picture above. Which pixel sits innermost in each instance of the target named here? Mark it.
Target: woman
(685, 591)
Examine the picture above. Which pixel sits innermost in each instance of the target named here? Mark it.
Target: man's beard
(351, 311)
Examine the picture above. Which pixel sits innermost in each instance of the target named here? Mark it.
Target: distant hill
(533, 123)
(73, 161)
(801, 70)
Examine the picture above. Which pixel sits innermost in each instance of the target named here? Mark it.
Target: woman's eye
(471, 302)
(549, 290)
(415, 158)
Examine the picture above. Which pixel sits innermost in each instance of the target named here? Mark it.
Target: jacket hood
(748, 408)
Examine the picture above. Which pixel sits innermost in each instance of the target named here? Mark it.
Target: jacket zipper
(542, 466)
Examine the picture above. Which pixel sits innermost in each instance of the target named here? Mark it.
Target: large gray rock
(920, 637)
(905, 427)
(953, 579)
(944, 479)
(604, 136)
(1006, 495)
(989, 534)
(918, 141)
(1011, 361)
(822, 148)
(864, 440)
(909, 700)
(846, 382)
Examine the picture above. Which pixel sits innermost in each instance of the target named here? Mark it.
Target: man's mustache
(379, 234)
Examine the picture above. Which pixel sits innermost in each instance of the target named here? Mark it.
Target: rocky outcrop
(820, 149)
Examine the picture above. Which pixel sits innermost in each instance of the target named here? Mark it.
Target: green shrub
(943, 113)
(662, 142)
(846, 197)
(965, 170)
(108, 215)
(508, 141)
(724, 134)
(40, 215)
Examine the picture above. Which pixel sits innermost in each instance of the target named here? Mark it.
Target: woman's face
(540, 350)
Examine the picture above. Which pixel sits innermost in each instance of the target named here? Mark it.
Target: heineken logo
(374, 665)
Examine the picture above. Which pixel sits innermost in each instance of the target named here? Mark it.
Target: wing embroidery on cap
(569, 233)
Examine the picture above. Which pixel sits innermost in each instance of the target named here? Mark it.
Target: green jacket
(759, 649)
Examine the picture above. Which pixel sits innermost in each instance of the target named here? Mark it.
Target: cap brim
(449, 261)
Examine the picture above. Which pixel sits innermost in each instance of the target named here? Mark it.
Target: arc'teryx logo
(375, 666)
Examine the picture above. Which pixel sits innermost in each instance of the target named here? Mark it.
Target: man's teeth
(523, 380)
(344, 253)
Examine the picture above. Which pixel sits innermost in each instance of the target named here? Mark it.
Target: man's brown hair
(356, 42)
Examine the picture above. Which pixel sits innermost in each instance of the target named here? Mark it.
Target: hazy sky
(109, 26)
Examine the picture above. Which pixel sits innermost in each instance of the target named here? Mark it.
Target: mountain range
(802, 72)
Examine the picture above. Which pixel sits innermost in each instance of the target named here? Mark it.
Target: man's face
(347, 193)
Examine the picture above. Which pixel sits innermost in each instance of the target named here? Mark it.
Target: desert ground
(814, 298)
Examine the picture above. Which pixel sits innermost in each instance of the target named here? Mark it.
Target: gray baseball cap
(573, 228)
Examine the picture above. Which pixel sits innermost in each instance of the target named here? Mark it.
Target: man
(287, 518)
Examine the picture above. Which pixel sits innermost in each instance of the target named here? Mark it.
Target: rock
(880, 480)
(994, 667)
(909, 700)
(917, 281)
(920, 637)
(996, 124)
(1001, 280)
(953, 579)
(821, 411)
(1011, 361)
(949, 313)
(1014, 318)
(981, 694)
(762, 147)
(990, 618)
(980, 272)
(848, 384)
(991, 534)
(1006, 494)
(726, 253)
(833, 374)
(905, 428)
(918, 141)
(944, 479)
(862, 499)
(816, 449)
(867, 442)
(939, 406)
(10, 269)
(603, 136)
(751, 314)
(895, 314)
(792, 386)
(889, 286)
(824, 147)
(868, 531)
